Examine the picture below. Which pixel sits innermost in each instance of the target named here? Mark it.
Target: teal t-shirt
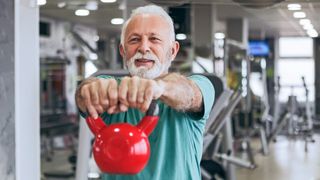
(176, 142)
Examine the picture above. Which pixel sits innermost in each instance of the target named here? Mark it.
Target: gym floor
(287, 160)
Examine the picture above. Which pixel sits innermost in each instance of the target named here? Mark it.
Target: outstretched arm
(96, 95)
(180, 93)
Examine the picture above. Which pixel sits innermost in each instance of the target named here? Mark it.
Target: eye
(155, 39)
(133, 39)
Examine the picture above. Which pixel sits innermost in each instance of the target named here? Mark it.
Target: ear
(174, 49)
(122, 51)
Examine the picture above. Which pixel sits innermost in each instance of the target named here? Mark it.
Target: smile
(144, 62)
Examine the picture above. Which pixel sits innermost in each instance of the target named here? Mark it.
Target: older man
(148, 47)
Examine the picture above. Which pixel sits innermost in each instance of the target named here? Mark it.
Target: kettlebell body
(122, 148)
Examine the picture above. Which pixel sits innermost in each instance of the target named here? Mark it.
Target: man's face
(148, 49)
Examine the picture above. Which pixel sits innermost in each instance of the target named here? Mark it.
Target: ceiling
(276, 20)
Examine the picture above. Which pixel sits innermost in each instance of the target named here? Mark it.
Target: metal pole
(84, 148)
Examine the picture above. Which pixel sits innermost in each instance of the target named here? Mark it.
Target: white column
(26, 77)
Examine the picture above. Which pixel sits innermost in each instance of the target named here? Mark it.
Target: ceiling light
(117, 21)
(304, 21)
(299, 14)
(42, 2)
(307, 26)
(312, 33)
(181, 36)
(294, 7)
(61, 4)
(108, 1)
(82, 12)
(92, 5)
(219, 35)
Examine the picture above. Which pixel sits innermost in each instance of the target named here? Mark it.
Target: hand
(96, 95)
(138, 93)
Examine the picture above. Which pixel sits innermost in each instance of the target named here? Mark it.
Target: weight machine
(218, 156)
(298, 124)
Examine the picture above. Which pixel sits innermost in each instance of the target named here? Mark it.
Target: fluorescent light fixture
(294, 7)
(93, 56)
(117, 21)
(312, 33)
(82, 12)
(299, 14)
(42, 2)
(61, 4)
(92, 5)
(108, 1)
(219, 35)
(304, 21)
(181, 36)
(307, 26)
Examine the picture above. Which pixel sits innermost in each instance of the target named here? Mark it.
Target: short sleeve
(208, 94)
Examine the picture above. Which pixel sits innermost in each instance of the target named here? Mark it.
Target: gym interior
(262, 57)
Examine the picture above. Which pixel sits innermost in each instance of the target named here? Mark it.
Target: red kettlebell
(122, 148)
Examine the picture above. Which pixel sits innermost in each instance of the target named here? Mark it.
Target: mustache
(149, 56)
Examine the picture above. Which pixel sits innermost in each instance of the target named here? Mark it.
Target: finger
(112, 110)
(140, 94)
(148, 96)
(133, 90)
(88, 105)
(94, 95)
(113, 92)
(123, 108)
(103, 88)
(123, 91)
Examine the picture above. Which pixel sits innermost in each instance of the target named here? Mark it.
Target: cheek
(129, 52)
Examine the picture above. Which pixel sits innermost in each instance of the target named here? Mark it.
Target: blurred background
(265, 52)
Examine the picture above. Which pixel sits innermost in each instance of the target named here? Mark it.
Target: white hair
(152, 10)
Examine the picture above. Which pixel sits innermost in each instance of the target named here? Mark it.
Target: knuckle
(135, 78)
(112, 82)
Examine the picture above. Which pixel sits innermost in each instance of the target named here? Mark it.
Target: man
(148, 46)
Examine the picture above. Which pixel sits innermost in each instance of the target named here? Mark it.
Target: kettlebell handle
(153, 109)
(150, 120)
(96, 125)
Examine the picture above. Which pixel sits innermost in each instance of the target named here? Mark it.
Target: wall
(7, 111)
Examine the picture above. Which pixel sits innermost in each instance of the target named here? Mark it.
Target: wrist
(161, 88)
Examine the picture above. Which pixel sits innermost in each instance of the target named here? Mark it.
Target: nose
(144, 46)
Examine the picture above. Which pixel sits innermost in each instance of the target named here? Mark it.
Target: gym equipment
(122, 148)
(298, 124)
(214, 161)
(218, 159)
(55, 121)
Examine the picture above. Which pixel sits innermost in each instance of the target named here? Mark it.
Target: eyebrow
(137, 34)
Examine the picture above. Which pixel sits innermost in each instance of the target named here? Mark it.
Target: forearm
(180, 93)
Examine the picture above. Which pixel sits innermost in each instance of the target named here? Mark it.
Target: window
(296, 60)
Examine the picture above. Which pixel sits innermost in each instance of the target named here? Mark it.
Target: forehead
(147, 24)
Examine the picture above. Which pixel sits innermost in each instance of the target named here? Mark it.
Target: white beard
(148, 73)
